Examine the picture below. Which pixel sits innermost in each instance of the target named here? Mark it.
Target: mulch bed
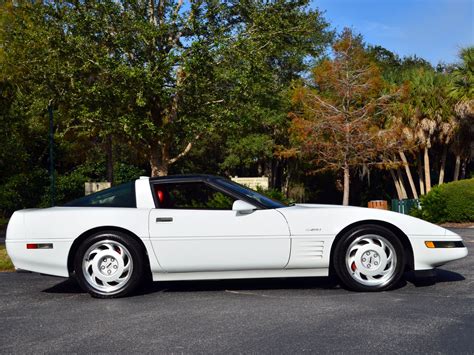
(458, 225)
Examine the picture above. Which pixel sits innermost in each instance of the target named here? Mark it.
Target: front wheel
(369, 258)
(109, 265)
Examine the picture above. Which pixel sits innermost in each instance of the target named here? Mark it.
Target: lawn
(5, 262)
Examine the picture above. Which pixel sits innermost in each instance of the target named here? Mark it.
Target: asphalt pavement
(41, 314)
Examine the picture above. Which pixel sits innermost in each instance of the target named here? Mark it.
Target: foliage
(152, 87)
(23, 190)
(258, 70)
(70, 186)
(159, 74)
(461, 89)
(5, 262)
(275, 195)
(451, 202)
(125, 172)
(462, 85)
(219, 201)
(341, 118)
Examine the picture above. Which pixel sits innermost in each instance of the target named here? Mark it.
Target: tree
(462, 90)
(163, 74)
(256, 73)
(340, 119)
(425, 115)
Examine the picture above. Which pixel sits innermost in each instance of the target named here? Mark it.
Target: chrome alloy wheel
(107, 266)
(371, 260)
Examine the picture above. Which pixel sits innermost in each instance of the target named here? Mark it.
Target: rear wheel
(109, 264)
(369, 258)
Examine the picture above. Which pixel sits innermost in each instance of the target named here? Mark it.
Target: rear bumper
(46, 261)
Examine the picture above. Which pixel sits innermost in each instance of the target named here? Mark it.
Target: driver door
(194, 228)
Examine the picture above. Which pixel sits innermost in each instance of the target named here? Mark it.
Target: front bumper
(426, 258)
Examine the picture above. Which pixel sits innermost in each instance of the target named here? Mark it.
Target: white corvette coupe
(206, 227)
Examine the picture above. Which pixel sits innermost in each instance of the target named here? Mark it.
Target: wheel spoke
(382, 244)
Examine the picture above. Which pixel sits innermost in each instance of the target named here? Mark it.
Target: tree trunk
(275, 181)
(463, 169)
(409, 176)
(286, 177)
(345, 198)
(110, 160)
(443, 165)
(158, 168)
(420, 174)
(427, 169)
(457, 167)
(397, 185)
(402, 185)
(159, 163)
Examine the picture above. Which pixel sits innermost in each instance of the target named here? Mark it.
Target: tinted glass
(253, 195)
(191, 195)
(117, 196)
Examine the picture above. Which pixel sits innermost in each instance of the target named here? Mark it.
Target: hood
(331, 219)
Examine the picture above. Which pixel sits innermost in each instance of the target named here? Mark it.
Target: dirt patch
(458, 225)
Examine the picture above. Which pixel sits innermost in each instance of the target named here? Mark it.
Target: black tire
(128, 252)
(352, 276)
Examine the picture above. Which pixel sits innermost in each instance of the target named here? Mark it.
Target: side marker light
(39, 246)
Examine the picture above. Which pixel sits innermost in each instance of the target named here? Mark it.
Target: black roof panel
(183, 177)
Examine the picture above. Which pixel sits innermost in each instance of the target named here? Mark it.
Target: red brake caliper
(353, 266)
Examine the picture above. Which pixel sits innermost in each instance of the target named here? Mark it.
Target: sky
(432, 29)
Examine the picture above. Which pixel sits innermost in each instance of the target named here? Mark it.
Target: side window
(117, 196)
(191, 195)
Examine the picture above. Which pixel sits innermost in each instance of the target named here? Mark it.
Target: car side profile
(196, 227)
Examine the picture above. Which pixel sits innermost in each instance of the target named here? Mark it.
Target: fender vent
(307, 248)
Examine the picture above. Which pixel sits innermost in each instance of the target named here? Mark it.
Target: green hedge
(451, 202)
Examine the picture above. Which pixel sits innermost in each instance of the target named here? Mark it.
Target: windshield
(254, 195)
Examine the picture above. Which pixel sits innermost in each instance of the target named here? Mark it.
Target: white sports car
(205, 227)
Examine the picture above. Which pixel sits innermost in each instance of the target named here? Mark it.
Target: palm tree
(421, 113)
(462, 90)
(445, 136)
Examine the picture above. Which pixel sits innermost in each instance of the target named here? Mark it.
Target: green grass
(5, 262)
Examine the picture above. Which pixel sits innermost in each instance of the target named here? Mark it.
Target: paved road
(46, 314)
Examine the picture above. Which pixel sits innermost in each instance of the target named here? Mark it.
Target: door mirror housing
(243, 207)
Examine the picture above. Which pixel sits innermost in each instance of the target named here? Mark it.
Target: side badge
(313, 229)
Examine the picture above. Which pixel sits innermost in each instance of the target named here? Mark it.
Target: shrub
(125, 173)
(274, 194)
(22, 191)
(452, 202)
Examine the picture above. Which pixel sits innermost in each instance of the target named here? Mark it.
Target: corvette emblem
(313, 229)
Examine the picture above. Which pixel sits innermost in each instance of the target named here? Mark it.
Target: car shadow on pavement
(71, 286)
(441, 275)
(66, 286)
(300, 283)
(241, 285)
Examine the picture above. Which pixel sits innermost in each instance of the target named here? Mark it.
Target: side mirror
(243, 207)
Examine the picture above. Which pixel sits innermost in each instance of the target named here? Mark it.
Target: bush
(70, 186)
(452, 202)
(125, 173)
(22, 191)
(275, 195)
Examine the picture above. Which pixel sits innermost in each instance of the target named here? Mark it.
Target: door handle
(164, 219)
